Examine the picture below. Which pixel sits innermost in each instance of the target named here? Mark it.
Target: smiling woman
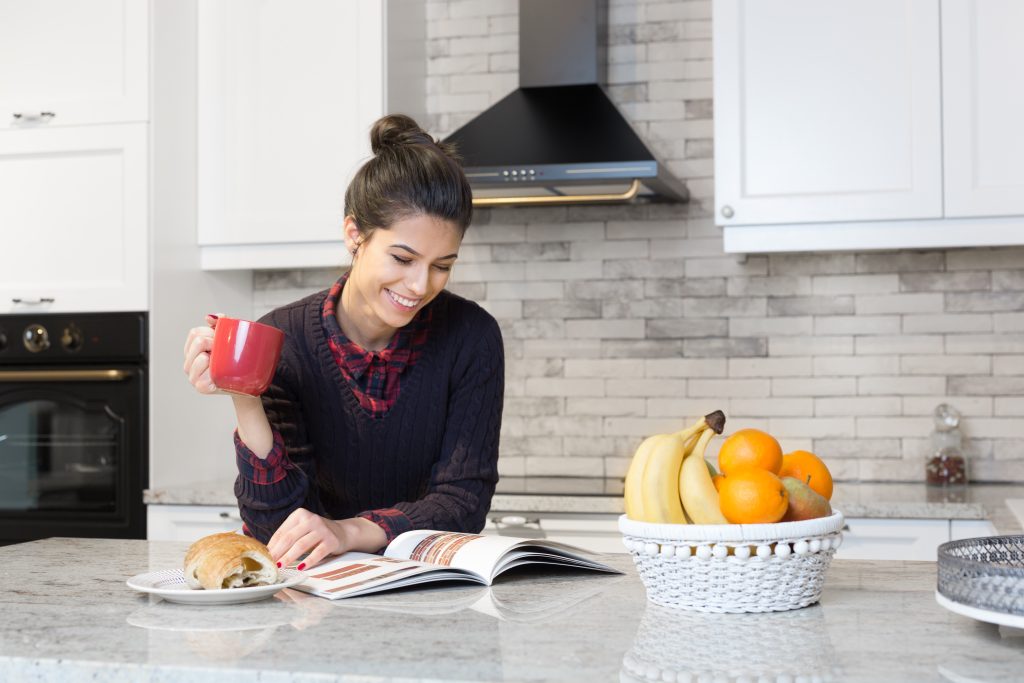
(384, 412)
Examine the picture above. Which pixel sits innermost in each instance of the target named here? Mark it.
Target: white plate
(170, 585)
(992, 617)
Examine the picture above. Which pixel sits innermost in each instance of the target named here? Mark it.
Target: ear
(352, 236)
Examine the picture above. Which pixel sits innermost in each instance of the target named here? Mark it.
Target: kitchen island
(68, 616)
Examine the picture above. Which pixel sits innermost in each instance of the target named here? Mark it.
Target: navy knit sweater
(433, 456)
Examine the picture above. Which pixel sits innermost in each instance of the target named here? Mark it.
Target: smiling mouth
(401, 300)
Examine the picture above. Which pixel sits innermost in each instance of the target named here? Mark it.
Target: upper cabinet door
(826, 111)
(287, 94)
(67, 62)
(983, 106)
(74, 218)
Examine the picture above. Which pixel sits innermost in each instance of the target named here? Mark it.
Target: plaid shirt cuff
(263, 471)
(392, 521)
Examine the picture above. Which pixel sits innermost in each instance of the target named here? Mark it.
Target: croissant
(229, 560)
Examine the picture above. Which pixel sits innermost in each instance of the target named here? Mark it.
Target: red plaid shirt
(375, 378)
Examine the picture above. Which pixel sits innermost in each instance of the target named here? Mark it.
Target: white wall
(190, 435)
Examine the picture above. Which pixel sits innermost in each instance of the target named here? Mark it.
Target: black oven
(73, 425)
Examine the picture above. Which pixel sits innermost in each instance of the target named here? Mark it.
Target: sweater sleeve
(462, 482)
(269, 489)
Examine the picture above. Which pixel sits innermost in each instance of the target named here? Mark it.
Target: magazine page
(485, 556)
(355, 574)
(474, 553)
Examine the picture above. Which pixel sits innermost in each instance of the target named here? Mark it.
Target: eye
(403, 261)
(443, 269)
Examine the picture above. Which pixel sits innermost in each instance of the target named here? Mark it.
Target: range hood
(558, 139)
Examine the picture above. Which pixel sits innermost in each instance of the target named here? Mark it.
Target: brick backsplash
(622, 321)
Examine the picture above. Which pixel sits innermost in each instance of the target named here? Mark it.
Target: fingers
(301, 533)
(197, 359)
(317, 555)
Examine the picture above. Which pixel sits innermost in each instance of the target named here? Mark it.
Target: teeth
(408, 303)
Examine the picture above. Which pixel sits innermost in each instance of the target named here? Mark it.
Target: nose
(417, 282)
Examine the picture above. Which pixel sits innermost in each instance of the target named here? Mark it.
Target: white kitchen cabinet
(982, 109)
(287, 94)
(856, 125)
(79, 62)
(826, 111)
(970, 528)
(189, 522)
(593, 532)
(905, 539)
(74, 216)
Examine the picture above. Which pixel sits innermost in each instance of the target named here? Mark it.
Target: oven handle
(64, 375)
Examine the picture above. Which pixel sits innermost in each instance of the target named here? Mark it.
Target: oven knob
(72, 338)
(36, 338)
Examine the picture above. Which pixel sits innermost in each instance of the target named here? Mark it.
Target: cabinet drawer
(190, 522)
(892, 539)
(593, 533)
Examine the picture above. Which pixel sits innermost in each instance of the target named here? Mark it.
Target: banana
(660, 484)
(696, 490)
(634, 477)
(644, 502)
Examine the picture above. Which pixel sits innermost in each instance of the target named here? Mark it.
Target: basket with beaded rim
(733, 567)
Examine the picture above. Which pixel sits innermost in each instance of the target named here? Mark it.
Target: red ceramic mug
(244, 355)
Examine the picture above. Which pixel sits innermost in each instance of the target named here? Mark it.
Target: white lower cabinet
(905, 539)
(594, 533)
(190, 522)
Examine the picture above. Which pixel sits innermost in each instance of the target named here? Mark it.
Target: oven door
(72, 452)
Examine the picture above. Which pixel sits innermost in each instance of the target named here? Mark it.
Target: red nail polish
(213, 315)
(301, 566)
(278, 565)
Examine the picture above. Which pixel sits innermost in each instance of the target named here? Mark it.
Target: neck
(358, 322)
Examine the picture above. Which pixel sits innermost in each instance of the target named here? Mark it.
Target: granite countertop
(604, 496)
(69, 617)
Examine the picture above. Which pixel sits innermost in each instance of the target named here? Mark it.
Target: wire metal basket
(984, 573)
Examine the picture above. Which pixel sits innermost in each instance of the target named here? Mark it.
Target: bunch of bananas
(668, 480)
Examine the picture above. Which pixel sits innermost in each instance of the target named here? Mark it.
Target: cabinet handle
(515, 520)
(33, 115)
(36, 302)
(231, 515)
(727, 211)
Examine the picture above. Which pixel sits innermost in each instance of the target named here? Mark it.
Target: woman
(385, 408)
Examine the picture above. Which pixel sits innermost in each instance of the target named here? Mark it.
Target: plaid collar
(357, 360)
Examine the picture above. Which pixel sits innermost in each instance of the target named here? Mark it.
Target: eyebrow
(416, 253)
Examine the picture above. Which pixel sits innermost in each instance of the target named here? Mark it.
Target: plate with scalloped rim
(170, 585)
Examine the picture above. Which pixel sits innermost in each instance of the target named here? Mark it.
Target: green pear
(804, 502)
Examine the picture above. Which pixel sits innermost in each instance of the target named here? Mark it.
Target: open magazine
(424, 556)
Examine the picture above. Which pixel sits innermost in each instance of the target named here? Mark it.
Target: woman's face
(398, 271)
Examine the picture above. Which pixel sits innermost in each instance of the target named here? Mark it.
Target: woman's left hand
(307, 532)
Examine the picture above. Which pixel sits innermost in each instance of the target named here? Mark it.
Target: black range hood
(558, 139)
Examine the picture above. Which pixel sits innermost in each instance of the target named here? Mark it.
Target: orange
(803, 464)
(717, 481)
(753, 496)
(750, 448)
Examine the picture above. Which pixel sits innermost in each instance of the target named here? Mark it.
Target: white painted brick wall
(624, 321)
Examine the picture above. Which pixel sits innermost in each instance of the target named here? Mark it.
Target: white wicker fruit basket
(733, 567)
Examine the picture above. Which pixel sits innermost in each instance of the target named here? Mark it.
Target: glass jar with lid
(946, 464)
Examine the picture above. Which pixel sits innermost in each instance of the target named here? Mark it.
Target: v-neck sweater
(433, 456)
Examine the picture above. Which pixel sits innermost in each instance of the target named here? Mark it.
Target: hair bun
(397, 130)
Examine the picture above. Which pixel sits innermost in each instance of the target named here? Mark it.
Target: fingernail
(278, 565)
(301, 566)
(213, 315)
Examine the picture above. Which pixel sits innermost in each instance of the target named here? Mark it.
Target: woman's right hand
(197, 356)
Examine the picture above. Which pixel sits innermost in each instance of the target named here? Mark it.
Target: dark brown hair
(410, 174)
